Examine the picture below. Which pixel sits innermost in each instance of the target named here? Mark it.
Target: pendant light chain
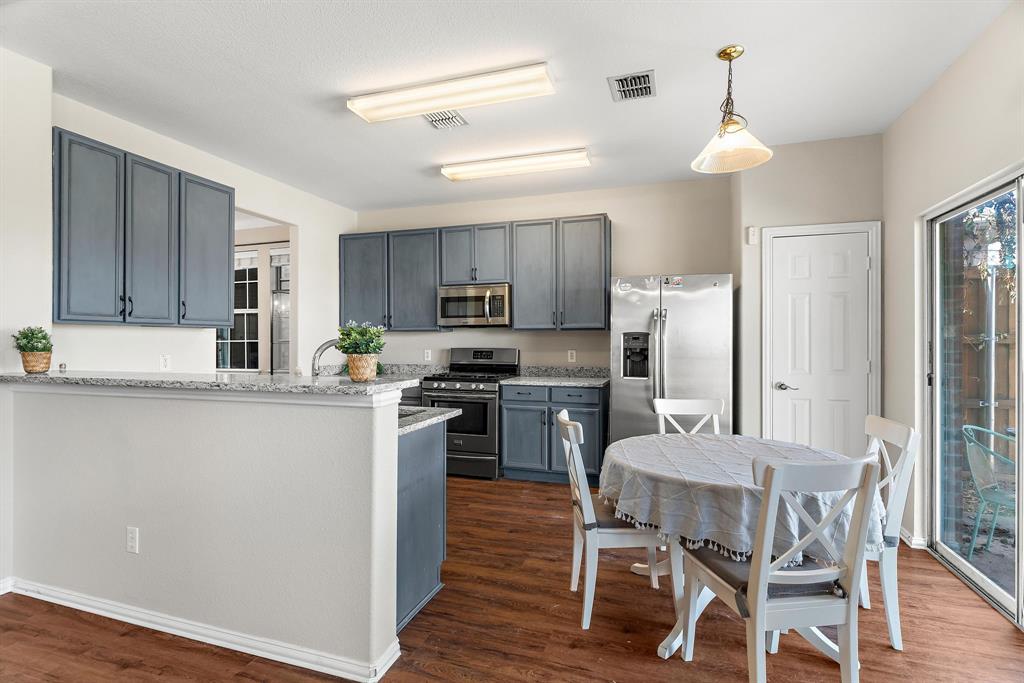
(727, 109)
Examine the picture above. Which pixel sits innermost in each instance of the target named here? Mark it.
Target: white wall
(315, 249)
(966, 127)
(829, 181)
(677, 227)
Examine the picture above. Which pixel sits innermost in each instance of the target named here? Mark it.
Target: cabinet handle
(545, 417)
(131, 307)
(522, 393)
(121, 312)
(561, 318)
(474, 272)
(575, 395)
(183, 309)
(552, 317)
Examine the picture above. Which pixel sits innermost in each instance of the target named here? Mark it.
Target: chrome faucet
(330, 343)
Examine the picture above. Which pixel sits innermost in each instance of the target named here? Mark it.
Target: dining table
(698, 490)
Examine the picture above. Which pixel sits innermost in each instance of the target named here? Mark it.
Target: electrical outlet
(426, 354)
(572, 355)
(165, 362)
(132, 540)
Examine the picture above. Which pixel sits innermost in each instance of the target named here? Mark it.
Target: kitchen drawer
(513, 392)
(575, 395)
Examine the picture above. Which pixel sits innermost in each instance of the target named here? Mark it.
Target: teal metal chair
(990, 472)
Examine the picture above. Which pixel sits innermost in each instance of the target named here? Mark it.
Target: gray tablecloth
(700, 488)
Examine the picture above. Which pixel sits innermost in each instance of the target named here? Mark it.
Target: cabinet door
(206, 272)
(412, 274)
(151, 242)
(533, 293)
(457, 256)
(592, 447)
(88, 230)
(524, 437)
(490, 249)
(364, 278)
(583, 273)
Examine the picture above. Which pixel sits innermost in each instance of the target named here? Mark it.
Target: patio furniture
(989, 473)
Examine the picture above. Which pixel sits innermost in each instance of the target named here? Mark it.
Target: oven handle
(469, 397)
(487, 305)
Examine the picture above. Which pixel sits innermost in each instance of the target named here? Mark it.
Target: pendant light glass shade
(729, 152)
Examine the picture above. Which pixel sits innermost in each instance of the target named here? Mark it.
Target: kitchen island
(257, 513)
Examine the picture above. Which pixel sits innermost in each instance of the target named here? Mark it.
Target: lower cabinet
(531, 443)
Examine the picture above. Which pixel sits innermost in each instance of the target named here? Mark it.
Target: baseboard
(915, 542)
(254, 645)
(6, 584)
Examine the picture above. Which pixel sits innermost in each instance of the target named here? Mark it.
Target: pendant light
(732, 148)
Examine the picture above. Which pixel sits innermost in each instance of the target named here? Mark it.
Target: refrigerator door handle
(663, 357)
(656, 365)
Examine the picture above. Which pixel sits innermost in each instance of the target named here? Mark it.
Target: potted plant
(361, 343)
(35, 346)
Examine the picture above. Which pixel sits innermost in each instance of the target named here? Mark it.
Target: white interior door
(818, 346)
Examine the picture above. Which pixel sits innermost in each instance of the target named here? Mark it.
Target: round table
(698, 489)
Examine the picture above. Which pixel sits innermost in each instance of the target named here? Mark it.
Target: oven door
(476, 430)
(477, 306)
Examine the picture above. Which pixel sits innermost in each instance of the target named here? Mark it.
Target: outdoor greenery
(32, 339)
(360, 338)
(990, 241)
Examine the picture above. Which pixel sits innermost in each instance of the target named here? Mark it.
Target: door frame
(873, 230)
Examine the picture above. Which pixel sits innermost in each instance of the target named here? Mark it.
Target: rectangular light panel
(530, 163)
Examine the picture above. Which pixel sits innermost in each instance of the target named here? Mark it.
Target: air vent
(443, 120)
(632, 86)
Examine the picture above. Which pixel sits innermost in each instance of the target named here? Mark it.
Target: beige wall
(677, 227)
(830, 181)
(965, 128)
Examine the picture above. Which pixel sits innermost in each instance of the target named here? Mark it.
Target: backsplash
(422, 370)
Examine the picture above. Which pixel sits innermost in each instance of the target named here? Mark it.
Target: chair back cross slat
(707, 409)
(894, 483)
(572, 437)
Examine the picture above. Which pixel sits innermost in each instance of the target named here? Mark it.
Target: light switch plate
(426, 354)
(753, 237)
(572, 355)
(131, 542)
(165, 362)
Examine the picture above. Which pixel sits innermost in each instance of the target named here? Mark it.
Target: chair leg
(577, 557)
(865, 597)
(890, 595)
(772, 642)
(756, 659)
(992, 529)
(977, 524)
(590, 580)
(652, 564)
(690, 595)
(848, 665)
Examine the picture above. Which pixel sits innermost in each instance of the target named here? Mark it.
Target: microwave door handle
(487, 305)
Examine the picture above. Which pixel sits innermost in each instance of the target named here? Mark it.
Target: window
(238, 347)
(280, 315)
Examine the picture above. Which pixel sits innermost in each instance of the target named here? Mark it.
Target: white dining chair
(704, 408)
(594, 523)
(894, 486)
(771, 597)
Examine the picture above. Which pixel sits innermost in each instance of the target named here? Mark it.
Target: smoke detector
(443, 120)
(634, 86)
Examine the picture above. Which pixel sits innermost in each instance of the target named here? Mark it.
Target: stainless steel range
(471, 384)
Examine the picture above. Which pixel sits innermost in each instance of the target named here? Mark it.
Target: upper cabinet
(475, 254)
(136, 241)
(412, 277)
(207, 253)
(88, 232)
(561, 271)
(364, 278)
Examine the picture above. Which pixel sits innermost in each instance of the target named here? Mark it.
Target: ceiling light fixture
(732, 148)
(529, 163)
(458, 93)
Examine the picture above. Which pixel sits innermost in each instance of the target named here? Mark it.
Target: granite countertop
(289, 384)
(411, 419)
(578, 382)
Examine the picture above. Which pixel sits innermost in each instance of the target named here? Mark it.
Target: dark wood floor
(506, 614)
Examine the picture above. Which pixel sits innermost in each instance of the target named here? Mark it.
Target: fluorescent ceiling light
(458, 93)
(529, 163)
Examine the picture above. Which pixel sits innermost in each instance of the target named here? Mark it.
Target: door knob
(782, 386)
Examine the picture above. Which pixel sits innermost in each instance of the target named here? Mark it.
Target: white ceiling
(250, 221)
(264, 84)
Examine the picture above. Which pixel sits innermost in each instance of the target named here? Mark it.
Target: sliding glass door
(976, 383)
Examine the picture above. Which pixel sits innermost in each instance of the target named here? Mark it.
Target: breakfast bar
(260, 513)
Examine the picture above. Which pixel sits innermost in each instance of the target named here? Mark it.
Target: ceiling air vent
(633, 86)
(443, 120)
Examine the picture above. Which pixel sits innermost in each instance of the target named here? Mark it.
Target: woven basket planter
(362, 367)
(35, 362)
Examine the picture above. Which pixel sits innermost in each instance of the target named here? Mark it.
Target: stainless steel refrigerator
(671, 338)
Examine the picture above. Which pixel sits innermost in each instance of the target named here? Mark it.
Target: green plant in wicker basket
(32, 339)
(360, 338)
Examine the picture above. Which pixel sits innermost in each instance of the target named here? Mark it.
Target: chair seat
(737, 575)
(997, 496)
(605, 515)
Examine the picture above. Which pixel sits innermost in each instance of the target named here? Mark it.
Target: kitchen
(310, 525)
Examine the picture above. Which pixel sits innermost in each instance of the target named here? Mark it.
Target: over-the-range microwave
(474, 305)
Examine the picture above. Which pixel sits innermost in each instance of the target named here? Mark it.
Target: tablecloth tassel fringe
(721, 549)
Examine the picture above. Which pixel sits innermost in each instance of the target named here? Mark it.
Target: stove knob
(478, 386)
(458, 386)
(436, 385)
(443, 385)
